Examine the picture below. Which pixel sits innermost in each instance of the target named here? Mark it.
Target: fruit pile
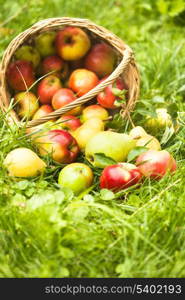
(56, 69)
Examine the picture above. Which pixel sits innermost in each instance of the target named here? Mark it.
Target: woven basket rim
(127, 63)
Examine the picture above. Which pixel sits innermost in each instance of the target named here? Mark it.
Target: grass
(45, 231)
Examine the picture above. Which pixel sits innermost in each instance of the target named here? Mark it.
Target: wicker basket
(126, 68)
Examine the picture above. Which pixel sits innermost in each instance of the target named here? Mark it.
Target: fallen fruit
(23, 162)
(112, 144)
(155, 164)
(76, 176)
(120, 176)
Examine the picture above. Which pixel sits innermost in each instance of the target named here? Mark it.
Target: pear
(112, 144)
(86, 131)
(149, 142)
(23, 162)
(137, 132)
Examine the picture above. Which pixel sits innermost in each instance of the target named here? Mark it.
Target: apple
(69, 122)
(47, 87)
(120, 176)
(28, 53)
(87, 130)
(112, 144)
(160, 122)
(20, 75)
(27, 104)
(23, 162)
(52, 63)
(155, 164)
(62, 97)
(72, 43)
(108, 98)
(82, 81)
(101, 59)
(76, 176)
(94, 111)
(45, 43)
(44, 110)
(60, 144)
(76, 111)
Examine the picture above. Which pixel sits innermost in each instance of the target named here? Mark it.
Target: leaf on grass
(134, 153)
(103, 160)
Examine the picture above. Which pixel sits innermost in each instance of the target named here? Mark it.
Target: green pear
(45, 43)
(86, 131)
(23, 162)
(28, 53)
(112, 144)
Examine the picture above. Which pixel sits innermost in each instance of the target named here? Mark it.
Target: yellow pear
(86, 131)
(137, 132)
(23, 162)
(149, 142)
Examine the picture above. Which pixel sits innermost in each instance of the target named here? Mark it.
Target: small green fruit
(76, 176)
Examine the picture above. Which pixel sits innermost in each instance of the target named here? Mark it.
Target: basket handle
(127, 57)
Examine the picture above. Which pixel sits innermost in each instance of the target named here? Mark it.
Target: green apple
(28, 53)
(23, 162)
(160, 122)
(112, 144)
(76, 176)
(45, 43)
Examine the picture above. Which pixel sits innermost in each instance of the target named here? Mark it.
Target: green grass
(45, 231)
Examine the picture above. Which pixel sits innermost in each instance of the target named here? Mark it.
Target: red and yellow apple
(120, 176)
(69, 122)
(82, 81)
(101, 59)
(72, 43)
(108, 98)
(47, 87)
(62, 97)
(94, 111)
(20, 75)
(27, 104)
(76, 176)
(60, 144)
(44, 110)
(156, 164)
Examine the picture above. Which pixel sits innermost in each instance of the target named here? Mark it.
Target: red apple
(72, 43)
(44, 110)
(60, 144)
(108, 98)
(120, 176)
(82, 81)
(52, 63)
(69, 122)
(155, 164)
(47, 87)
(20, 75)
(101, 59)
(62, 97)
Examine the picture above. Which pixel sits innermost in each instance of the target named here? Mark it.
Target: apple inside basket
(60, 66)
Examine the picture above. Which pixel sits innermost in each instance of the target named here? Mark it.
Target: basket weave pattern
(126, 67)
